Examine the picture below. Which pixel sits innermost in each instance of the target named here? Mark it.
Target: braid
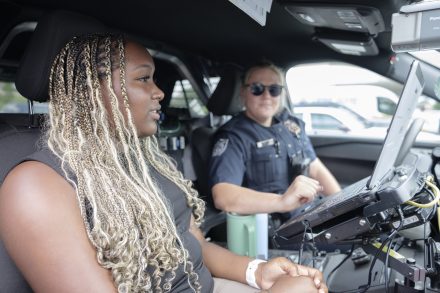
(127, 216)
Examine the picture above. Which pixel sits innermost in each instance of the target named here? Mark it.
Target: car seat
(225, 100)
(17, 141)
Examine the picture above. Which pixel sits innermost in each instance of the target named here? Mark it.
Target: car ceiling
(215, 29)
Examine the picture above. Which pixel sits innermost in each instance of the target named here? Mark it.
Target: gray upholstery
(202, 139)
(15, 143)
(223, 101)
(10, 277)
(18, 140)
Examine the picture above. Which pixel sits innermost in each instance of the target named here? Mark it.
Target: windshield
(431, 57)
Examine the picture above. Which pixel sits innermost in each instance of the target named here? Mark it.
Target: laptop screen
(399, 124)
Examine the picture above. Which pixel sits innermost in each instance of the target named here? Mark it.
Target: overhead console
(347, 29)
(349, 18)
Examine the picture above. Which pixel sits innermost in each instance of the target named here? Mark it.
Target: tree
(9, 94)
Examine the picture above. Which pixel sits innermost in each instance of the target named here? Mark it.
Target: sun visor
(362, 19)
(357, 44)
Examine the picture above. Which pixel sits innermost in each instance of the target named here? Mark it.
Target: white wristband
(250, 272)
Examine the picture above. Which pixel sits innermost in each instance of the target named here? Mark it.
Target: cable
(353, 290)
(431, 193)
(434, 208)
(340, 263)
(399, 211)
(386, 265)
(301, 248)
(436, 195)
(424, 250)
(436, 192)
(399, 244)
(370, 271)
(314, 249)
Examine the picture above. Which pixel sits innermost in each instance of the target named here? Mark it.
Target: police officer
(262, 161)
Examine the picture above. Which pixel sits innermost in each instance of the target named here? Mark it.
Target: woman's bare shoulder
(32, 197)
(41, 227)
(33, 184)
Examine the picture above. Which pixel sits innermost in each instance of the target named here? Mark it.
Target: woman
(108, 210)
(262, 161)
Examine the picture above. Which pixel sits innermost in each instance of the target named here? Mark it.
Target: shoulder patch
(220, 147)
(293, 127)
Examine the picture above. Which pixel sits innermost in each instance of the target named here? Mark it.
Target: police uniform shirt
(262, 158)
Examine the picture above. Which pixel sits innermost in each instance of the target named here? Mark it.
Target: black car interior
(20, 133)
(224, 101)
(189, 42)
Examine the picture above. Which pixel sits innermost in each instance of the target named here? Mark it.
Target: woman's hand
(270, 273)
(289, 284)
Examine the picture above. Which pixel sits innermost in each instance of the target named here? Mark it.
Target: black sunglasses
(257, 89)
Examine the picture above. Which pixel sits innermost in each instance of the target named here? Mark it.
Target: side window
(363, 100)
(184, 97)
(12, 102)
(386, 106)
(299, 115)
(324, 121)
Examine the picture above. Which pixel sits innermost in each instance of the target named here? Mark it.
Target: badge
(292, 127)
(220, 147)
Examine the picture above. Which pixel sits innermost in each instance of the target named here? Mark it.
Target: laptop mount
(362, 226)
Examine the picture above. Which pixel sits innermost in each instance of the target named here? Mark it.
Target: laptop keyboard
(294, 225)
(346, 193)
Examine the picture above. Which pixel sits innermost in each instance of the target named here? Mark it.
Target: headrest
(225, 100)
(53, 31)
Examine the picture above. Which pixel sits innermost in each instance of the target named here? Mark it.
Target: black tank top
(182, 217)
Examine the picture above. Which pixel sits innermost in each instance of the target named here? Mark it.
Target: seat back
(223, 101)
(16, 142)
(17, 139)
(202, 139)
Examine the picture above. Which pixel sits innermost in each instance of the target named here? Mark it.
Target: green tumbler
(241, 233)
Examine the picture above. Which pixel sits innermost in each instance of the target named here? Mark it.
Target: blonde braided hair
(127, 216)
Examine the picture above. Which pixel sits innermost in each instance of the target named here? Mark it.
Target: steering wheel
(410, 137)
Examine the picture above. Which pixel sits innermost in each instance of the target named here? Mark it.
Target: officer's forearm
(233, 198)
(319, 171)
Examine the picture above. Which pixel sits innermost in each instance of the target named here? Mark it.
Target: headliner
(219, 31)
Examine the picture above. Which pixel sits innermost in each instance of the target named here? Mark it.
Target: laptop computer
(363, 192)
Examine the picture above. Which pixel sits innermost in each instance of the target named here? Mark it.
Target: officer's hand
(302, 190)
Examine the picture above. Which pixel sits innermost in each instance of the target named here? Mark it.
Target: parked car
(333, 119)
(363, 92)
